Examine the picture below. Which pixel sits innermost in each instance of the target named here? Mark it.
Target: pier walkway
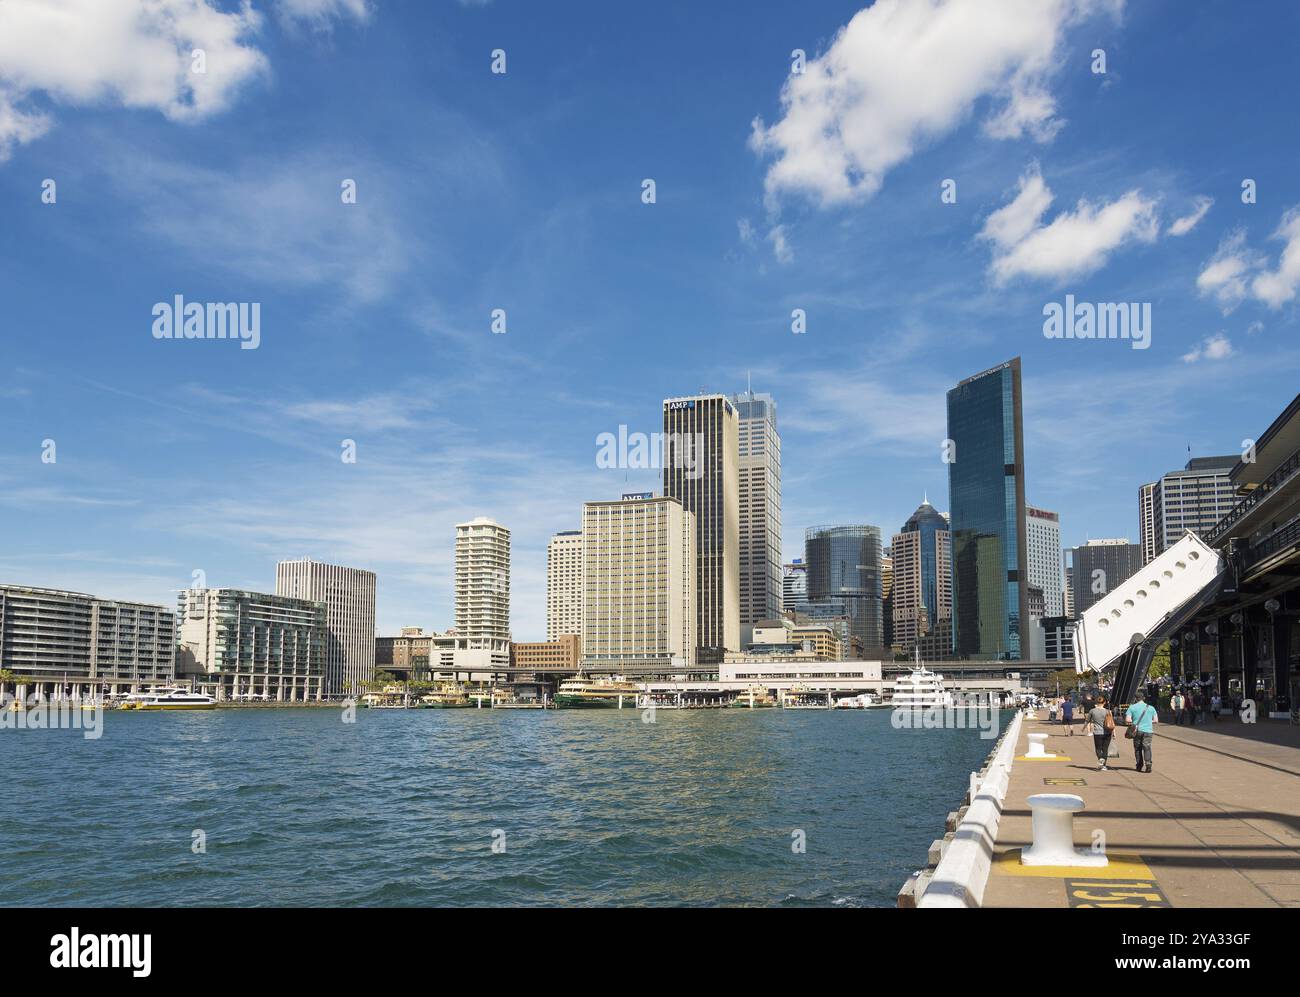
(1217, 824)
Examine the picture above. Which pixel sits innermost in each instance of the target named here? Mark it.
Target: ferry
(800, 697)
(921, 690)
(862, 701)
(168, 697)
(582, 693)
(447, 697)
(754, 698)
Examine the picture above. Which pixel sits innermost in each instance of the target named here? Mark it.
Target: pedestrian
(1216, 703)
(1141, 717)
(1102, 723)
(1067, 714)
(1176, 707)
(1051, 711)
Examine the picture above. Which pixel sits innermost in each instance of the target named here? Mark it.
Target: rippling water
(401, 807)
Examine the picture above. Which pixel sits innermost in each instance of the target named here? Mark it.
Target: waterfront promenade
(1217, 824)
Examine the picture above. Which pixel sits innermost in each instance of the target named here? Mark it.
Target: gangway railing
(1144, 606)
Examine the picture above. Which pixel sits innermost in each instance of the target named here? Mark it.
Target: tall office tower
(794, 587)
(54, 641)
(1069, 590)
(1195, 499)
(1147, 521)
(250, 645)
(922, 603)
(986, 486)
(701, 471)
(1043, 543)
(564, 585)
(482, 596)
(349, 597)
(639, 575)
(1099, 566)
(887, 598)
(760, 508)
(844, 566)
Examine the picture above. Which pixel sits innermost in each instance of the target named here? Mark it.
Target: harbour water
(403, 808)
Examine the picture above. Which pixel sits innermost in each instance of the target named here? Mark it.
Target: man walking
(1067, 714)
(1141, 716)
(1176, 707)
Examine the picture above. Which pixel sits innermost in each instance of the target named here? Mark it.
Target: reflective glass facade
(844, 564)
(986, 486)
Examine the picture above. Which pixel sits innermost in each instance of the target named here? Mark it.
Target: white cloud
(1182, 226)
(1216, 347)
(780, 246)
(134, 54)
(1276, 287)
(1074, 243)
(1235, 272)
(904, 72)
(1226, 275)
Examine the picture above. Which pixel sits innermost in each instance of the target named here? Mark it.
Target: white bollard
(1053, 829)
(1037, 743)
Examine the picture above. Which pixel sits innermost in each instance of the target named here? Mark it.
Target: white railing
(963, 872)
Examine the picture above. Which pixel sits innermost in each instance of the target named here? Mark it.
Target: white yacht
(168, 697)
(921, 690)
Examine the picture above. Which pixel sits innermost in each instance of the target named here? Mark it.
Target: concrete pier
(1217, 824)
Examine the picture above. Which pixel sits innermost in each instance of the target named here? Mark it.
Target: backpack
(1109, 725)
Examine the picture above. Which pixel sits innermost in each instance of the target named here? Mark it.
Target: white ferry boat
(921, 690)
(862, 701)
(168, 698)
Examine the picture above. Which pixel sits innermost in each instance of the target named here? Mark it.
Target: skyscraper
(1195, 499)
(1099, 566)
(922, 590)
(349, 597)
(482, 596)
(986, 486)
(760, 508)
(701, 471)
(844, 566)
(564, 585)
(794, 587)
(1147, 522)
(1043, 543)
(639, 574)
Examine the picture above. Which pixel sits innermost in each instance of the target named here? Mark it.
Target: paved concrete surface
(1217, 824)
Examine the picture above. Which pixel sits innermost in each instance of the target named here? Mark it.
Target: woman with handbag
(1140, 717)
(1102, 722)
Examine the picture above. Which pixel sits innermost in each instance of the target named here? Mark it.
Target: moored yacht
(169, 697)
(921, 690)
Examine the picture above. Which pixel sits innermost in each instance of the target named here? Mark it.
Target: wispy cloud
(1183, 225)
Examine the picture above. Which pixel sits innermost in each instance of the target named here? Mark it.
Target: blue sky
(522, 191)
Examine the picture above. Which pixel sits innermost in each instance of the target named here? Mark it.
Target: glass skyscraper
(986, 487)
(844, 564)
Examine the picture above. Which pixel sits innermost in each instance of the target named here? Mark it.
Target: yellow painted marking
(1122, 866)
(1127, 894)
(1053, 758)
(1048, 781)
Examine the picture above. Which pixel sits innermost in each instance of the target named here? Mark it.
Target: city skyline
(176, 457)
